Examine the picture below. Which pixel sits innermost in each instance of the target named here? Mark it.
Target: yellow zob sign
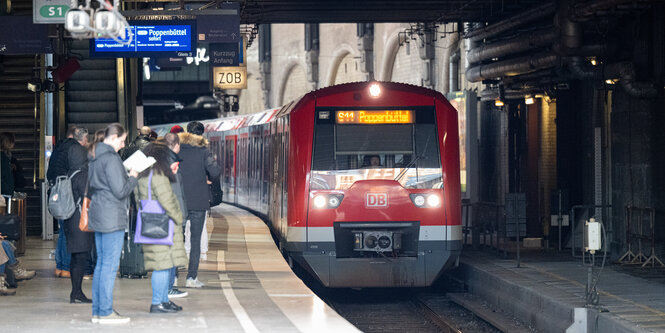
(230, 77)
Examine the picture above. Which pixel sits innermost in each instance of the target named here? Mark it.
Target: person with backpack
(79, 243)
(59, 166)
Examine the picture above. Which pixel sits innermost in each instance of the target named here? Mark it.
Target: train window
(344, 153)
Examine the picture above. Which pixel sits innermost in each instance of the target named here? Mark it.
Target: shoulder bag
(153, 225)
(85, 205)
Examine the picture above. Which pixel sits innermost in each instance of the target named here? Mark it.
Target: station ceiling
(369, 11)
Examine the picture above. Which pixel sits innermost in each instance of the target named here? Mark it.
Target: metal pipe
(514, 45)
(511, 22)
(453, 72)
(625, 71)
(582, 11)
(512, 67)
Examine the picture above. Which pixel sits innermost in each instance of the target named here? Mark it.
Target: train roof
(266, 116)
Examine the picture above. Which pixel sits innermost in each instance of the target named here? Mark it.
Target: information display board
(151, 39)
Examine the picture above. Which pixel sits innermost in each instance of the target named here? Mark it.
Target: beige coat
(160, 257)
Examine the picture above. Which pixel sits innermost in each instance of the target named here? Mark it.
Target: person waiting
(156, 183)
(10, 265)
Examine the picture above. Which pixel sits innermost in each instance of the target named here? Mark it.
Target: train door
(229, 182)
(275, 195)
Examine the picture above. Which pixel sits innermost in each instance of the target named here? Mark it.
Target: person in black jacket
(197, 166)
(77, 138)
(79, 243)
(7, 142)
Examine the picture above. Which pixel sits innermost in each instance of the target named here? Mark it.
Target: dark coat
(178, 187)
(77, 240)
(7, 180)
(59, 162)
(110, 188)
(197, 164)
(139, 143)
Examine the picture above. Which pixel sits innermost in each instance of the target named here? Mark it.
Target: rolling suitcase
(131, 259)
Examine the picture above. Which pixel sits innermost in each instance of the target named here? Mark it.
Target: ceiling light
(498, 102)
(528, 99)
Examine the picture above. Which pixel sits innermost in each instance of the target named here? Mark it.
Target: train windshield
(353, 145)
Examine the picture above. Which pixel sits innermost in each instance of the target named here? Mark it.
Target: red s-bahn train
(359, 182)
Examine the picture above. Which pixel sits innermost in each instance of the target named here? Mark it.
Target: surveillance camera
(107, 22)
(77, 22)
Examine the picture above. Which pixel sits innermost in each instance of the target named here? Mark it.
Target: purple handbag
(151, 209)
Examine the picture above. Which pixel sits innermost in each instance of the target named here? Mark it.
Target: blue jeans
(10, 254)
(109, 246)
(62, 256)
(160, 286)
(173, 272)
(196, 220)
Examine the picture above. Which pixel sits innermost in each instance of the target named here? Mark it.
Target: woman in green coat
(160, 259)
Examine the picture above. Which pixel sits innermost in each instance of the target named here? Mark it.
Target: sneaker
(65, 274)
(22, 274)
(95, 319)
(175, 293)
(87, 277)
(193, 283)
(175, 282)
(113, 318)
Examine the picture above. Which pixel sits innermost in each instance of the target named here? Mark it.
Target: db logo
(376, 200)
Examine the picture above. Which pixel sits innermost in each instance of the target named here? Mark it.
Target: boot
(4, 290)
(20, 273)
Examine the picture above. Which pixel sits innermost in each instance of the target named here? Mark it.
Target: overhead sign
(29, 39)
(49, 11)
(151, 38)
(224, 54)
(374, 117)
(222, 27)
(230, 77)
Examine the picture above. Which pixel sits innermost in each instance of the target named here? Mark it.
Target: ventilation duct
(518, 44)
(512, 67)
(530, 15)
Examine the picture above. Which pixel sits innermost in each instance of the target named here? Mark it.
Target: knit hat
(177, 129)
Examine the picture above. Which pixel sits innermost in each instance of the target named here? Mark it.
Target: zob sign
(230, 77)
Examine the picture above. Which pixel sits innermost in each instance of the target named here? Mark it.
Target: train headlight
(375, 90)
(334, 201)
(320, 201)
(418, 200)
(330, 201)
(433, 200)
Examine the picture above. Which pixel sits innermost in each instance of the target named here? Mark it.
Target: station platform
(249, 288)
(547, 292)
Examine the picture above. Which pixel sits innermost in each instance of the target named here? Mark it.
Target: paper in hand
(138, 161)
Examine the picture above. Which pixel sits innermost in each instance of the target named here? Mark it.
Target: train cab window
(400, 145)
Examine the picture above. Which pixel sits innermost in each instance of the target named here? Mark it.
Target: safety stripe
(327, 234)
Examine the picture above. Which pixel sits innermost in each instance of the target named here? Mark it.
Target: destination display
(151, 38)
(374, 117)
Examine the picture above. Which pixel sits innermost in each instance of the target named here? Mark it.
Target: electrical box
(592, 241)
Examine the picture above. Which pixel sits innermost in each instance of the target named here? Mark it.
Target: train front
(383, 208)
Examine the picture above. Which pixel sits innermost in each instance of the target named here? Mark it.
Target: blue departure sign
(151, 38)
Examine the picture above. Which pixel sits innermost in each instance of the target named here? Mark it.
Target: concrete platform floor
(249, 288)
(548, 292)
